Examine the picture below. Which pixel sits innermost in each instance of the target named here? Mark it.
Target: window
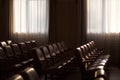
(103, 16)
(29, 18)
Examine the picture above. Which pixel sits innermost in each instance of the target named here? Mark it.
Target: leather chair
(16, 77)
(9, 42)
(3, 43)
(100, 78)
(19, 55)
(17, 51)
(100, 73)
(25, 51)
(60, 47)
(28, 45)
(33, 43)
(64, 45)
(46, 53)
(53, 54)
(29, 73)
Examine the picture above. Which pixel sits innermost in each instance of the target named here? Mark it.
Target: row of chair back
(47, 59)
(51, 58)
(15, 56)
(91, 60)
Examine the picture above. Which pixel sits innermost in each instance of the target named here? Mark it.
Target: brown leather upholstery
(101, 78)
(60, 47)
(3, 43)
(30, 74)
(33, 43)
(28, 45)
(9, 42)
(16, 77)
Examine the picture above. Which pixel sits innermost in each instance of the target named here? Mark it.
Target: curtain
(103, 26)
(29, 19)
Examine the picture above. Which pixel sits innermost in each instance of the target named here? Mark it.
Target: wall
(66, 21)
(4, 19)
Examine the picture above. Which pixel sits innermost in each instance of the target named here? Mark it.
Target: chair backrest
(9, 42)
(45, 52)
(38, 55)
(30, 74)
(84, 52)
(3, 43)
(60, 47)
(28, 45)
(39, 59)
(100, 78)
(56, 49)
(33, 43)
(23, 48)
(79, 54)
(92, 44)
(2, 54)
(80, 58)
(8, 50)
(90, 48)
(88, 52)
(16, 77)
(16, 49)
(64, 45)
(51, 50)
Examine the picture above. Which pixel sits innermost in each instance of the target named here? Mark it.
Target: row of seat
(91, 60)
(14, 56)
(52, 58)
(47, 59)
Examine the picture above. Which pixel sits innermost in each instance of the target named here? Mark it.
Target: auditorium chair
(56, 49)
(30, 73)
(53, 54)
(33, 43)
(60, 47)
(48, 57)
(100, 73)
(16, 77)
(9, 42)
(10, 54)
(100, 78)
(3, 43)
(25, 51)
(17, 51)
(64, 45)
(28, 45)
(51, 50)
(94, 48)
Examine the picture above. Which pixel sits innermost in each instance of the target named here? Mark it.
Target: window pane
(30, 16)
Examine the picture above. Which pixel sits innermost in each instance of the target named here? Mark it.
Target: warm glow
(103, 16)
(30, 16)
